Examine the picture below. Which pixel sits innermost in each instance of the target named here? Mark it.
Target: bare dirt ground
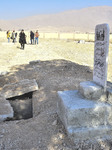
(61, 65)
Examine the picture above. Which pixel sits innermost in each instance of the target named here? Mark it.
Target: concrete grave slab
(86, 114)
(19, 88)
(6, 110)
(83, 118)
(101, 54)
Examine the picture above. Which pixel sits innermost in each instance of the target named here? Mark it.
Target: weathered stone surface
(20, 88)
(83, 118)
(6, 110)
(101, 54)
(90, 90)
(88, 133)
(104, 97)
(35, 102)
(109, 92)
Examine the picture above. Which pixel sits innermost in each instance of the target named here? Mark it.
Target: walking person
(36, 37)
(8, 35)
(22, 39)
(32, 37)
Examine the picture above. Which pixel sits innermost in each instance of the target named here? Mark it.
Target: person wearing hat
(22, 39)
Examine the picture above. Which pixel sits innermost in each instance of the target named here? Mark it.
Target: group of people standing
(34, 36)
(22, 37)
(12, 36)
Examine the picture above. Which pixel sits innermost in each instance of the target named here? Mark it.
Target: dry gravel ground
(61, 65)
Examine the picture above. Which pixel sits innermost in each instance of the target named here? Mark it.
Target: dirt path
(11, 54)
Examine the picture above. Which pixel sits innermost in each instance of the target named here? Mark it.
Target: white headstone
(101, 54)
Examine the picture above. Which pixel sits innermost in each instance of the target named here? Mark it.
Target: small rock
(81, 41)
(54, 123)
(39, 142)
(1, 135)
(34, 62)
(64, 144)
(3, 73)
(61, 136)
(89, 70)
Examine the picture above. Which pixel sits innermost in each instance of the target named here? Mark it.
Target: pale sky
(13, 9)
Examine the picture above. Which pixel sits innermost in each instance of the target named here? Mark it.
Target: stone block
(90, 90)
(6, 110)
(19, 88)
(83, 118)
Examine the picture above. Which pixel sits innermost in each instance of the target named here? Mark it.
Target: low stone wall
(89, 37)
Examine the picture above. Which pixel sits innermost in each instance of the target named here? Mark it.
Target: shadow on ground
(44, 131)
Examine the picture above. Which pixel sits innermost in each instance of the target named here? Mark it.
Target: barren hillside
(72, 20)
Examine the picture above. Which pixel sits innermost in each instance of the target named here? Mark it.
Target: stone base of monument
(82, 117)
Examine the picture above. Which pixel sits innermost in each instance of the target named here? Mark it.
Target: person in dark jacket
(32, 37)
(22, 39)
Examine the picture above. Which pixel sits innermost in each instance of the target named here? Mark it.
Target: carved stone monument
(101, 54)
(84, 112)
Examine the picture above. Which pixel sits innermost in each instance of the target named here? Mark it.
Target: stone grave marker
(101, 54)
(86, 113)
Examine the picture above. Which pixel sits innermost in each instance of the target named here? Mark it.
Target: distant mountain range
(83, 20)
